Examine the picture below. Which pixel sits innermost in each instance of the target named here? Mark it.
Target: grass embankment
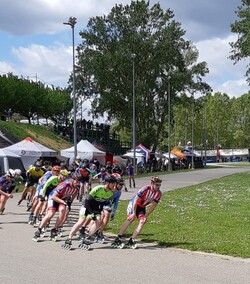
(41, 134)
(211, 217)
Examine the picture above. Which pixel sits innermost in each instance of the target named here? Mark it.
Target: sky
(36, 44)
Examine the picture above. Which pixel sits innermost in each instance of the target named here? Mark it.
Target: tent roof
(6, 153)
(84, 147)
(29, 147)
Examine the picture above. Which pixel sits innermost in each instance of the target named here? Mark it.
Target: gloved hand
(69, 204)
(42, 199)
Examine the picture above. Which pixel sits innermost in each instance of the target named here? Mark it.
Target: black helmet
(110, 178)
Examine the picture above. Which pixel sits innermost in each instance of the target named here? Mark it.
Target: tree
(240, 49)
(104, 66)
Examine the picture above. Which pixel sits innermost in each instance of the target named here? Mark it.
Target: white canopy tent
(85, 150)
(30, 151)
(138, 156)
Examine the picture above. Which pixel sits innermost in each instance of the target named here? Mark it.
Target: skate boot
(43, 232)
(126, 189)
(134, 184)
(30, 218)
(37, 236)
(82, 233)
(131, 244)
(99, 238)
(33, 222)
(117, 243)
(59, 232)
(53, 234)
(19, 202)
(80, 198)
(29, 206)
(2, 211)
(67, 245)
(84, 243)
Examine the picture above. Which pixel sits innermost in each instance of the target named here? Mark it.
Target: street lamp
(192, 130)
(71, 22)
(133, 123)
(169, 126)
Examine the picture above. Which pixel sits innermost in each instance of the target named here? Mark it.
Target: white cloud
(52, 64)
(208, 27)
(224, 75)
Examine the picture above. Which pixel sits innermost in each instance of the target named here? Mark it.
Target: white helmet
(18, 172)
(10, 172)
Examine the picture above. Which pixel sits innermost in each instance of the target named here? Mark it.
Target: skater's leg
(142, 222)
(62, 212)
(47, 218)
(125, 226)
(76, 227)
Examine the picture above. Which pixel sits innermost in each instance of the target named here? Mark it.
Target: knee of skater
(143, 220)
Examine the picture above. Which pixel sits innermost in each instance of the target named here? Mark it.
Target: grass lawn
(210, 217)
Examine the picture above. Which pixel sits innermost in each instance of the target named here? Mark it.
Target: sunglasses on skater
(120, 183)
(157, 184)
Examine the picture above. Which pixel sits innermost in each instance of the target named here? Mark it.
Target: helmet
(38, 164)
(18, 172)
(56, 169)
(76, 176)
(10, 173)
(120, 180)
(64, 173)
(156, 179)
(110, 178)
(116, 175)
(103, 170)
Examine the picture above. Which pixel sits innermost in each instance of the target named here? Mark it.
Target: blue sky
(34, 41)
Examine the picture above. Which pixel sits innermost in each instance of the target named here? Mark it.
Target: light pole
(169, 126)
(72, 22)
(133, 123)
(192, 130)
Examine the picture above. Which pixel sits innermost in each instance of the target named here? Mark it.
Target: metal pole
(133, 123)
(169, 126)
(72, 22)
(192, 131)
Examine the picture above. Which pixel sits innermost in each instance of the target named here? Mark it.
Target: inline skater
(58, 200)
(85, 180)
(18, 180)
(36, 208)
(5, 185)
(148, 195)
(101, 175)
(49, 185)
(110, 209)
(91, 210)
(34, 173)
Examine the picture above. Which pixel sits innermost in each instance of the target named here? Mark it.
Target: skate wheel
(66, 247)
(87, 247)
(35, 239)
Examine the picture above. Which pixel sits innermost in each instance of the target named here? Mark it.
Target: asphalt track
(24, 261)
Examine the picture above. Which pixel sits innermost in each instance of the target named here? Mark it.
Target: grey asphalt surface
(25, 261)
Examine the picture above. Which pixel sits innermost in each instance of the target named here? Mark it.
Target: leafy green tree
(240, 49)
(105, 62)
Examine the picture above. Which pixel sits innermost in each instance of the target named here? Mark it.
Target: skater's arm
(151, 209)
(6, 194)
(57, 199)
